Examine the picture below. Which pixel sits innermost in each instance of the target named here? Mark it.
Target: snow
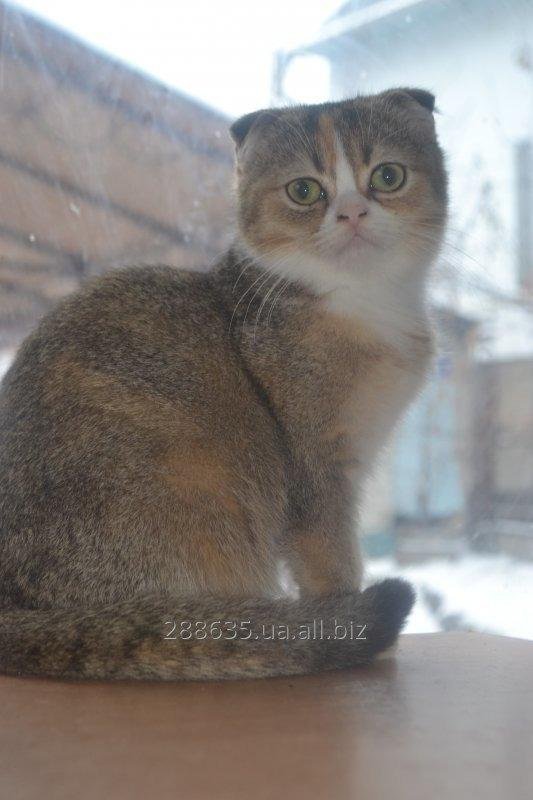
(489, 593)
(6, 358)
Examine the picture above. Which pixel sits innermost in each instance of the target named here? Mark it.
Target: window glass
(114, 150)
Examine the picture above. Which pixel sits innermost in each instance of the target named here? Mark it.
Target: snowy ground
(493, 594)
(5, 360)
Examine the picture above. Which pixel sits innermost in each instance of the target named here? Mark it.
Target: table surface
(450, 717)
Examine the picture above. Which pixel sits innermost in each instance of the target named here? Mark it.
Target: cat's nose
(351, 210)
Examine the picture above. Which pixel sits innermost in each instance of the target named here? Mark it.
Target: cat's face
(329, 194)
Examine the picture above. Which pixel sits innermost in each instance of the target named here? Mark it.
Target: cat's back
(121, 315)
(143, 327)
(136, 359)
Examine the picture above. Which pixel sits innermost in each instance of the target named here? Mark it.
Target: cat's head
(329, 194)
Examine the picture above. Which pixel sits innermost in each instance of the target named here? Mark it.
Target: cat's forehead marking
(334, 159)
(345, 138)
(345, 178)
(328, 141)
(357, 132)
(367, 153)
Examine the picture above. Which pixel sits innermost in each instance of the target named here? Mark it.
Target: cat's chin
(352, 253)
(357, 257)
(356, 242)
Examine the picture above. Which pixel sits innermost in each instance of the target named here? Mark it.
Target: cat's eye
(387, 178)
(305, 191)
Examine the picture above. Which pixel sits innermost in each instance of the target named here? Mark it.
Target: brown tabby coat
(167, 438)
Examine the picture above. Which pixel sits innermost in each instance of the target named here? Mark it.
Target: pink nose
(351, 211)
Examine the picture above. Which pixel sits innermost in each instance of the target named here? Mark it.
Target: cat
(168, 438)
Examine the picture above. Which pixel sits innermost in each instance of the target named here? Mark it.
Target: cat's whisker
(446, 244)
(265, 298)
(246, 266)
(269, 275)
(276, 297)
(249, 289)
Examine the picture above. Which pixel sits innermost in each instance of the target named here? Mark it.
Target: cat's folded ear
(424, 98)
(243, 126)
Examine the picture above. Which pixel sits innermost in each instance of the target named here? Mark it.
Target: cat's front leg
(322, 546)
(323, 562)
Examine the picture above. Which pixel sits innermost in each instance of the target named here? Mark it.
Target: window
(114, 150)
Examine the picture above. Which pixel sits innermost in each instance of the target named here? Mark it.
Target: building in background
(460, 473)
(99, 166)
(501, 508)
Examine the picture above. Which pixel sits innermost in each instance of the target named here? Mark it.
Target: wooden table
(452, 717)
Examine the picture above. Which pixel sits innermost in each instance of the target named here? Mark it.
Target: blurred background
(114, 150)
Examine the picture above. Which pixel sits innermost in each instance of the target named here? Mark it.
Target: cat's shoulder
(143, 282)
(138, 291)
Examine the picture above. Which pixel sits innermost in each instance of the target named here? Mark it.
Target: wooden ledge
(451, 717)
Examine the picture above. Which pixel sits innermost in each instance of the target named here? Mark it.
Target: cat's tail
(158, 638)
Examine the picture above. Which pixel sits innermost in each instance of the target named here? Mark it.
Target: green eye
(305, 191)
(387, 177)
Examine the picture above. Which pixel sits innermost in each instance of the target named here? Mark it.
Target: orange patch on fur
(194, 471)
(107, 394)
